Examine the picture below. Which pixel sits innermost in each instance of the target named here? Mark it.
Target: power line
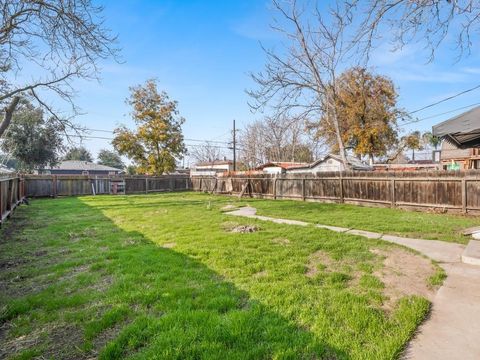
(446, 99)
(196, 140)
(107, 138)
(440, 114)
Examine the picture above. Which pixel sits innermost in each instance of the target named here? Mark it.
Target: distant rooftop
(283, 165)
(83, 166)
(216, 162)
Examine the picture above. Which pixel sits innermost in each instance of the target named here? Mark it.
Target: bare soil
(403, 274)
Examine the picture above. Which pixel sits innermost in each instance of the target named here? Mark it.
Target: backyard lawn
(422, 225)
(171, 276)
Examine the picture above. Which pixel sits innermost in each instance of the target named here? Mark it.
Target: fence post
(9, 195)
(1, 204)
(392, 193)
(341, 190)
(303, 189)
(146, 185)
(54, 186)
(464, 195)
(275, 188)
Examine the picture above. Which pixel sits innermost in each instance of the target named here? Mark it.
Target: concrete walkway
(452, 330)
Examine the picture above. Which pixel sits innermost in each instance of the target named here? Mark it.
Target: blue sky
(202, 51)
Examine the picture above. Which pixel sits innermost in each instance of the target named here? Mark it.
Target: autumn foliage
(158, 139)
(366, 107)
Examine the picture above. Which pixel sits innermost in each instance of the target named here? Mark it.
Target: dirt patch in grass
(244, 229)
(227, 208)
(18, 344)
(260, 274)
(65, 342)
(14, 227)
(281, 241)
(316, 260)
(404, 273)
(234, 227)
(106, 336)
(169, 245)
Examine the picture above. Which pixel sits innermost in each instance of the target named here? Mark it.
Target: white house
(212, 168)
(330, 162)
(279, 167)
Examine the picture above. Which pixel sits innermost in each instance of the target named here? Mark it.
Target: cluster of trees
(104, 156)
(34, 141)
(367, 119)
(304, 84)
(354, 109)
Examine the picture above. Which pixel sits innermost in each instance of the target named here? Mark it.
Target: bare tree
(44, 46)
(426, 21)
(278, 139)
(302, 78)
(206, 152)
(252, 145)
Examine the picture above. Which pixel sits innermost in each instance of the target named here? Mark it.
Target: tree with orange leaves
(366, 106)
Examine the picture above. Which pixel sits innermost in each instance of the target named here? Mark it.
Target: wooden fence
(11, 195)
(71, 185)
(448, 191)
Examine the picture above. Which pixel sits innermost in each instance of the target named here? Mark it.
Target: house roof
(6, 170)
(283, 165)
(462, 130)
(83, 166)
(353, 161)
(216, 162)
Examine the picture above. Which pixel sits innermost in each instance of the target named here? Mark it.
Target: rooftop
(215, 162)
(283, 165)
(462, 130)
(83, 166)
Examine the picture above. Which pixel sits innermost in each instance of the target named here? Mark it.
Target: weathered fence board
(73, 185)
(11, 195)
(458, 191)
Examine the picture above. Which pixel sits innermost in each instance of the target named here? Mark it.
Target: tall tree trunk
(341, 146)
(8, 114)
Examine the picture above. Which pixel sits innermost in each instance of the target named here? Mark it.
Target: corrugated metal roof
(462, 130)
(83, 165)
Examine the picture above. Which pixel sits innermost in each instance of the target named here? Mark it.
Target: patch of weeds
(368, 281)
(437, 279)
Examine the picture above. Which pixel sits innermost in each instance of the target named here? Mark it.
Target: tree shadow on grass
(124, 296)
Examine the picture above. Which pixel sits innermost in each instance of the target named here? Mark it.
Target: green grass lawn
(413, 224)
(161, 276)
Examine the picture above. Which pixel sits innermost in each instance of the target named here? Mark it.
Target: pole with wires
(234, 147)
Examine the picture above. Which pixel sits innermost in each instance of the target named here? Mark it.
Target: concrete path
(452, 330)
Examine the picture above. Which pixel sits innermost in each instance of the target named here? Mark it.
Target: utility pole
(234, 147)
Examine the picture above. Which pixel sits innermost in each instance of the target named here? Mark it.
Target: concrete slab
(332, 228)
(367, 234)
(476, 235)
(451, 331)
(437, 250)
(471, 254)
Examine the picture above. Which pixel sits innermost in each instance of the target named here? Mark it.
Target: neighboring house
(461, 141)
(6, 170)
(212, 168)
(330, 162)
(417, 165)
(279, 167)
(79, 167)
